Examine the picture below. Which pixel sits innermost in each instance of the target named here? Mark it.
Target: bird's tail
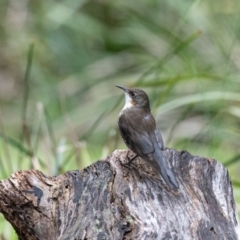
(165, 171)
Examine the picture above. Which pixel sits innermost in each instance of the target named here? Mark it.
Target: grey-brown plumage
(138, 130)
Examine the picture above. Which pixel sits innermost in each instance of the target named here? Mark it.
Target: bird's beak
(123, 88)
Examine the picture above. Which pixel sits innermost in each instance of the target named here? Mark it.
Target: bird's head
(135, 97)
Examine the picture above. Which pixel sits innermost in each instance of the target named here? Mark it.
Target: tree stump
(113, 200)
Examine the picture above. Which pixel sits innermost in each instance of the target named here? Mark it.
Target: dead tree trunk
(110, 200)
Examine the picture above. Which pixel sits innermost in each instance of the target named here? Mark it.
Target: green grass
(61, 60)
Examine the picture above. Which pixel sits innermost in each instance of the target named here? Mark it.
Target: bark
(111, 200)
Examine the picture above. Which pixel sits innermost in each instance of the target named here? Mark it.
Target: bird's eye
(132, 94)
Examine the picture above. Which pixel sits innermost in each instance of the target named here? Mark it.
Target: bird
(141, 135)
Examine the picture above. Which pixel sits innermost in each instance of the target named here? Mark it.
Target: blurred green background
(60, 61)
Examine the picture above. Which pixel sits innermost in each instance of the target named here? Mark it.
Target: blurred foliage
(61, 59)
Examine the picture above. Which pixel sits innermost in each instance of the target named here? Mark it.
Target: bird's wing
(142, 143)
(159, 139)
(137, 140)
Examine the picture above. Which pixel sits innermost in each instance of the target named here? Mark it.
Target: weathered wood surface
(109, 200)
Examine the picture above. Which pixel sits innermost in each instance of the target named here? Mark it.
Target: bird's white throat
(128, 103)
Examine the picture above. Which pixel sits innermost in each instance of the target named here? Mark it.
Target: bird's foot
(129, 165)
(130, 160)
